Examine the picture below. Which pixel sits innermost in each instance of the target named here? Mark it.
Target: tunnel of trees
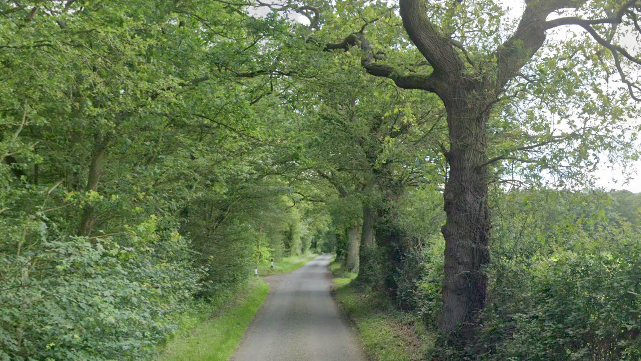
(153, 151)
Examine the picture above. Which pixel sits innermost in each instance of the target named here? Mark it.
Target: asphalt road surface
(299, 321)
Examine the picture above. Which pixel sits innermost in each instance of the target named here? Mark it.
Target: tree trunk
(466, 230)
(367, 233)
(95, 167)
(353, 248)
(369, 268)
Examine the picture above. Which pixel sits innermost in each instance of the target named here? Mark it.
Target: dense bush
(74, 298)
(420, 276)
(371, 266)
(564, 279)
(570, 306)
(566, 288)
(226, 253)
(424, 280)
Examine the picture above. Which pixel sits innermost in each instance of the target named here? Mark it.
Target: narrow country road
(299, 321)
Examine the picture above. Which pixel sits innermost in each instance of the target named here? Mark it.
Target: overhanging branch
(333, 181)
(368, 61)
(554, 139)
(528, 38)
(436, 49)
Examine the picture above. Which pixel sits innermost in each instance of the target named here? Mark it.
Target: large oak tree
(471, 73)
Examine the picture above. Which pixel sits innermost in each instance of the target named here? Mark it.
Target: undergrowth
(388, 334)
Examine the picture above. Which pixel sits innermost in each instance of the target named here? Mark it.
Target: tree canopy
(154, 152)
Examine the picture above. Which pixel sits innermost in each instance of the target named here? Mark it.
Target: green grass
(216, 338)
(386, 333)
(342, 277)
(285, 265)
(342, 281)
(203, 337)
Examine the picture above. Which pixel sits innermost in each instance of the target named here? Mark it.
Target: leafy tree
(369, 142)
(127, 130)
(474, 60)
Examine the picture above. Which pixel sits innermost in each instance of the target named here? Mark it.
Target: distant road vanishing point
(300, 321)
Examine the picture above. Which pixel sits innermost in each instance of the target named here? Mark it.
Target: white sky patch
(264, 10)
(609, 177)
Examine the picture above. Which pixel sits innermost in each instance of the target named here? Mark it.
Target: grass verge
(342, 277)
(216, 338)
(285, 265)
(387, 334)
(203, 337)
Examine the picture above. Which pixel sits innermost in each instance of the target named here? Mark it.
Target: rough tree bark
(353, 234)
(369, 261)
(466, 230)
(469, 94)
(468, 100)
(468, 104)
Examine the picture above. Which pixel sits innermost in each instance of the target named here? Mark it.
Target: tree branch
(554, 139)
(37, 44)
(333, 181)
(368, 61)
(405, 81)
(435, 48)
(228, 127)
(460, 46)
(528, 38)
(616, 50)
(350, 41)
(585, 24)
(31, 14)
(313, 20)
(611, 20)
(309, 199)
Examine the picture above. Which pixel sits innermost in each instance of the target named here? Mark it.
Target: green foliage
(565, 287)
(150, 150)
(627, 205)
(420, 281)
(216, 338)
(371, 270)
(292, 236)
(72, 298)
(580, 306)
(420, 274)
(133, 133)
(563, 277)
(386, 333)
